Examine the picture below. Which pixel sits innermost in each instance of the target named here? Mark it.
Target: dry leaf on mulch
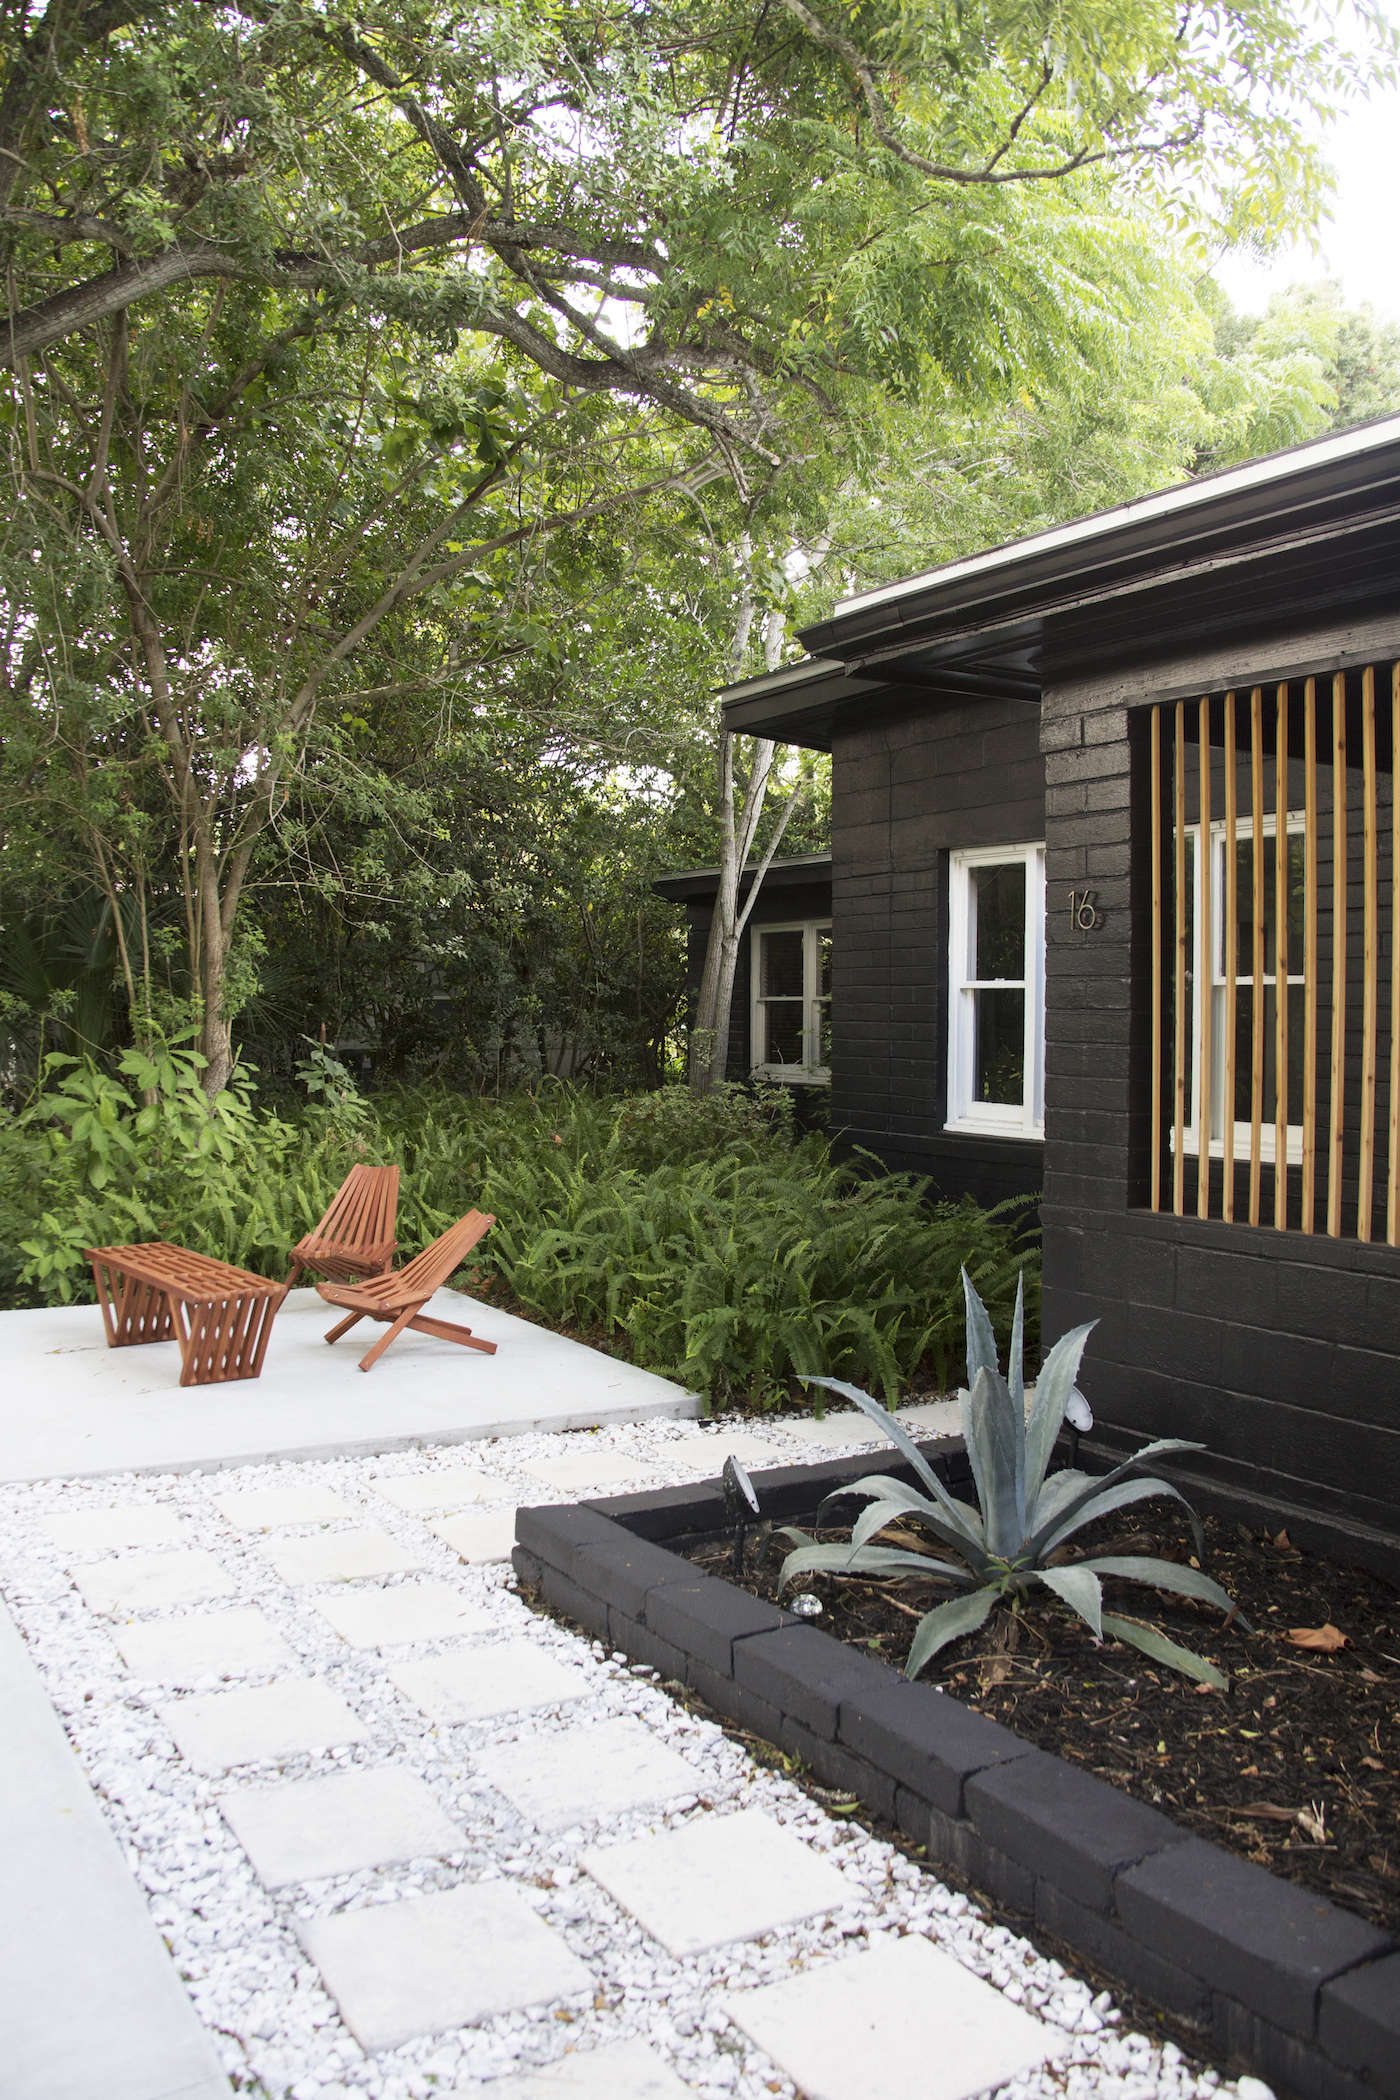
(1326, 1639)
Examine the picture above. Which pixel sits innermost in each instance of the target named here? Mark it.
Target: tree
(314, 319)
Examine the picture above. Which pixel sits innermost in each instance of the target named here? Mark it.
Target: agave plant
(1014, 1544)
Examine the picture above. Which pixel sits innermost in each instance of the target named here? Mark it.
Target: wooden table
(221, 1316)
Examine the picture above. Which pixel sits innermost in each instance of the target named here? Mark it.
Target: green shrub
(700, 1238)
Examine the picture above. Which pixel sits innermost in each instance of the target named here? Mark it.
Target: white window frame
(811, 1072)
(965, 1112)
(1213, 975)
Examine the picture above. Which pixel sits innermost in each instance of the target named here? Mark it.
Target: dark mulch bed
(1297, 1766)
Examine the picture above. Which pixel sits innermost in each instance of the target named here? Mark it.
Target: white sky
(1361, 246)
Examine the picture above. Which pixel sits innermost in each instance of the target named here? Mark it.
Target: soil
(1296, 1766)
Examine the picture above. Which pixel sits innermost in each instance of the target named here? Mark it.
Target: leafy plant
(1014, 1543)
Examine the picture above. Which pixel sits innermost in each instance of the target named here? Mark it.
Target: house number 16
(1084, 914)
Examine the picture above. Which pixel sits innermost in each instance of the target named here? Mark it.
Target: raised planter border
(1299, 1990)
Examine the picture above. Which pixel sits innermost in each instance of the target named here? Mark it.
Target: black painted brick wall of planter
(1304, 1993)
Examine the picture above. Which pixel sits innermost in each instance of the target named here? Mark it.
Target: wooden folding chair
(401, 1296)
(356, 1236)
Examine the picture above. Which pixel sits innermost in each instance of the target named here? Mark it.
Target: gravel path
(242, 1946)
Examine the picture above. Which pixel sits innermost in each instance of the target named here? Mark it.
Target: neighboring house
(1097, 796)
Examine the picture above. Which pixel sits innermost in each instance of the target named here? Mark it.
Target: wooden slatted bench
(220, 1316)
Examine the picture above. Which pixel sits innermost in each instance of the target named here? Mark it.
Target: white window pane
(999, 894)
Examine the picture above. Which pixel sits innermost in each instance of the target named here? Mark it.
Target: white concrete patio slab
(91, 2007)
(76, 1409)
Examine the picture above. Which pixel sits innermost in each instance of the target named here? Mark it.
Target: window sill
(976, 1126)
(791, 1075)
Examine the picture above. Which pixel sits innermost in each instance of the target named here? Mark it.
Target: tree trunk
(709, 1035)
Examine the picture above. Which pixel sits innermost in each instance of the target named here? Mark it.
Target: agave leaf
(864, 1560)
(1036, 1544)
(899, 1437)
(1160, 1649)
(1056, 1495)
(995, 1443)
(981, 1340)
(1084, 1512)
(892, 1560)
(1167, 1575)
(963, 1530)
(1081, 1590)
(948, 1622)
(1015, 1362)
(1052, 1391)
(878, 1514)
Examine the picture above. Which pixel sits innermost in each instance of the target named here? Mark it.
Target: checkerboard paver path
(393, 1733)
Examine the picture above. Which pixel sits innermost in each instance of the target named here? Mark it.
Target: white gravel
(236, 1946)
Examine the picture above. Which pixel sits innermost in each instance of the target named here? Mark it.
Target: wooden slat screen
(1274, 842)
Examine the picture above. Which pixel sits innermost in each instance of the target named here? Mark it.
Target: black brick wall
(906, 789)
(1281, 1351)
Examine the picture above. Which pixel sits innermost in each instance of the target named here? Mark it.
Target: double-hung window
(996, 991)
(1228, 981)
(791, 1002)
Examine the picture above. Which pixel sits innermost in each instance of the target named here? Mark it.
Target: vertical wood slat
(1340, 888)
(1155, 750)
(1309, 1211)
(1256, 1035)
(1281, 958)
(1232, 960)
(1179, 974)
(1370, 914)
(1205, 972)
(1392, 1197)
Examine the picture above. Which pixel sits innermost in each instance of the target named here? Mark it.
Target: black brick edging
(1303, 1992)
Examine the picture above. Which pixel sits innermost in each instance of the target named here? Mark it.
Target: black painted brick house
(1048, 719)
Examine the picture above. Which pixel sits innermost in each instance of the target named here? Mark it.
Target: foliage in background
(704, 1240)
(1016, 1540)
(342, 348)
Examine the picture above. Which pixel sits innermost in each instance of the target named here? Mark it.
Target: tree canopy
(347, 355)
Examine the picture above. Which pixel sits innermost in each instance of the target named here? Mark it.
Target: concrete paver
(427, 1963)
(341, 1556)
(716, 1879)
(410, 1611)
(105, 1530)
(904, 2018)
(476, 1684)
(148, 1581)
(450, 1487)
(575, 1775)
(618, 2071)
(478, 1539)
(265, 1509)
(218, 1730)
(348, 1820)
(199, 1644)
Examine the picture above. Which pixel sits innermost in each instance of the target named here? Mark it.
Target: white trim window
(996, 991)
(1244, 990)
(790, 1010)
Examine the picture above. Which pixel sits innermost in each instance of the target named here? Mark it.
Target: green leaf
(1052, 1390)
(1167, 1575)
(899, 1437)
(1160, 1649)
(1041, 1543)
(945, 1623)
(1081, 1590)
